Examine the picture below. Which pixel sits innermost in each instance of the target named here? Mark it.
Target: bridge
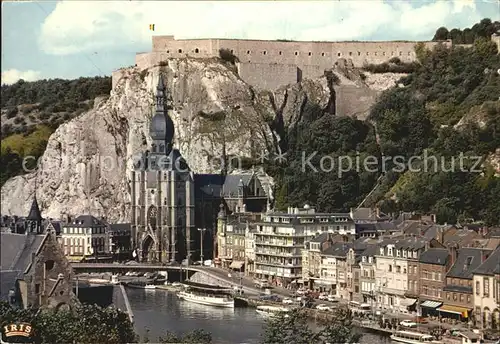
(218, 276)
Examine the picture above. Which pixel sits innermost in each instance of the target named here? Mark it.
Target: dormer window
(398, 253)
(363, 259)
(381, 251)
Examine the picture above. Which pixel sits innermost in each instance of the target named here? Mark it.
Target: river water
(160, 311)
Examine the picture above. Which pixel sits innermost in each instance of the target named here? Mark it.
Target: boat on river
(413, 338)
(272, 311)
(205, 294)
(141, 285)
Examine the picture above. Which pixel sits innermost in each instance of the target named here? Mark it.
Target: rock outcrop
(84, 168)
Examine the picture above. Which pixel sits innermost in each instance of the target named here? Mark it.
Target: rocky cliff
(84, 167)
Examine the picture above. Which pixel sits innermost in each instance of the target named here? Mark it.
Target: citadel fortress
(269, 64)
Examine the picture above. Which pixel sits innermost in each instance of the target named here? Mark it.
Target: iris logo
(13, 333)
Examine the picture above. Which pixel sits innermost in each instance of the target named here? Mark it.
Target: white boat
(149, 286)
(204, 294)
(413, 337)
(271, 311)
(207, 299)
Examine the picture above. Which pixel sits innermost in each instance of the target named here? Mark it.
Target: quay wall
(200, 277)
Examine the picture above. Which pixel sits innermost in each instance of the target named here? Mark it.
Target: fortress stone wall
(270, 64)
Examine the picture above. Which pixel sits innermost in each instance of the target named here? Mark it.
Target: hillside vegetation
(417, 119)
(31, 111)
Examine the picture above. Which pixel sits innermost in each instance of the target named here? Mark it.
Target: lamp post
(201, 230)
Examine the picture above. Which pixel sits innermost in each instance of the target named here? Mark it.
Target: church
(173, 208)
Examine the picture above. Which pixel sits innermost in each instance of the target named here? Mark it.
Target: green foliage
(16, 147)
(393, 66)
(484, 29)
(448, 85)
(85, 324)
(293, 327)
(198, 336)
(63, 95)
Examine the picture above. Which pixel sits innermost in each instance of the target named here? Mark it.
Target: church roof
(15, 257)
(34, 214)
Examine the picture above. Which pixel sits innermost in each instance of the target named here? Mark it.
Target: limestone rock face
(85, 166)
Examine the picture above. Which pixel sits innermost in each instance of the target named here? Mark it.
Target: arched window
(153, 147)
(162, 148)
(338, 54)
(196, 50)
(280, 52)
(264, 52)
(310, 53)
(180, 51)
(322, 54)
(296, 53)
(248, 52)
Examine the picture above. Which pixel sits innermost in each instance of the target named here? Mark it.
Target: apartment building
(458, 292)
(311, 259)
(250, 249)
(433, 266)
(367, 274)
(392, 272)
(86, 237)
(486, 285)
(334, 269)
(235, 243)
(281, 236)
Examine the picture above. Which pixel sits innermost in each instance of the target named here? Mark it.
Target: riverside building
(281, 236)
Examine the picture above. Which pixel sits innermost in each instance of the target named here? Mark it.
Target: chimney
(377, 209)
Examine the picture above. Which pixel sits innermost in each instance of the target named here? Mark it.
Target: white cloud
(76, 26)
(13, 75)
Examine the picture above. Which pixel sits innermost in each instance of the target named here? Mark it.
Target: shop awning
(431, 304)
(237, 264)
(454, 310)
(408, 302)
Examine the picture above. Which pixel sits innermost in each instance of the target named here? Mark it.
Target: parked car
(332, 298)
(323, 297)
(408, 323)
(323, 308)
(287, 301)
(302, 291)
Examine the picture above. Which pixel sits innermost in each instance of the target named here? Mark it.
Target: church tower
(162, 193)
(33, 223)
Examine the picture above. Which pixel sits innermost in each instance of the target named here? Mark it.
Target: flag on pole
(152, 27)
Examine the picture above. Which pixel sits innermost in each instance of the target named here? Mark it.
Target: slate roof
(381, 227)
(491, 265)
(467, 261)
(86, 221)
(320, 238)
(370, 251)
(459, 236)
(34, 214)
(15, 256)
(214, 184)
(437, 256)
(123, 228)
(338, 249)
(57, 226)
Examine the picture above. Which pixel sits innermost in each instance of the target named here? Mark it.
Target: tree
(441, 34)
(85, 324)
(292, 327)
(198, 336)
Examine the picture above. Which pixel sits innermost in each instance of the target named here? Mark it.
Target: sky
(70, 39)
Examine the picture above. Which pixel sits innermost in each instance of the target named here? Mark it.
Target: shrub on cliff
(484, 29)
(227, 55)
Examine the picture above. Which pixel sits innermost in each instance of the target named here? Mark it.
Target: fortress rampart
(270, 64)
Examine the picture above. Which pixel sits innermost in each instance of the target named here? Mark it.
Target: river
(161, 311)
